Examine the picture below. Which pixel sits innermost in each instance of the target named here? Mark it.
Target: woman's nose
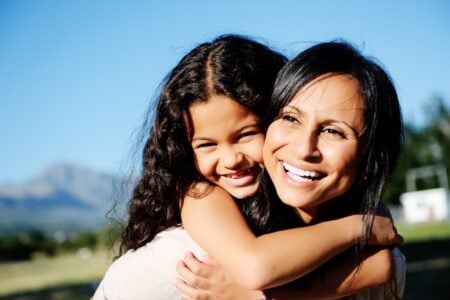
(307, 145)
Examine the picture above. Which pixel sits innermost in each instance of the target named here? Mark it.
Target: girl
(230, 73)
(334, 137)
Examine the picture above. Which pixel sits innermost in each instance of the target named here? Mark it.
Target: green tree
(425, 145)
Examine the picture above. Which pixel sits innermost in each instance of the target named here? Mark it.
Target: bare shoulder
(206, 199)
(204, 191)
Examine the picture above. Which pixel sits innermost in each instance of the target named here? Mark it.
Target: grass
(67, 270)
(425, 231)
(45, 272)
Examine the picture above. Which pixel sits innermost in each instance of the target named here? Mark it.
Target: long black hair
(233, 66)
(383, 137)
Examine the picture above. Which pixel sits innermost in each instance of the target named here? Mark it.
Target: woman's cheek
(275, 137)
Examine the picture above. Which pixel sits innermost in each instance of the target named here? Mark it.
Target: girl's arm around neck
(341, 277)
(216, 224)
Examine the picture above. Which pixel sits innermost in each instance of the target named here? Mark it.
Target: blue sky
(76, 77)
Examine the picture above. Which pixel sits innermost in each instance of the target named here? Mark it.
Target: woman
(334, 137)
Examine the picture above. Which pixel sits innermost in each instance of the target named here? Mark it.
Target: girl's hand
(207, 280)
(383, 231)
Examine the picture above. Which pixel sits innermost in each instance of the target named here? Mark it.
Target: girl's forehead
(218, 113)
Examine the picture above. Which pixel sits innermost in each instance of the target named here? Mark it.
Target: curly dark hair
(234, 66)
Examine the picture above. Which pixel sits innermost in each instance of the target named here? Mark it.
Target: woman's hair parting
(383, 138)
(230, 65)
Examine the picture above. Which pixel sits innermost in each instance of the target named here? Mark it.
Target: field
(55, 275)
(73, 276)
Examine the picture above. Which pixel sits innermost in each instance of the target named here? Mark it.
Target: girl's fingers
(398, 240)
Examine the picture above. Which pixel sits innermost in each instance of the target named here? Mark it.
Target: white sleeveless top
(149, 271)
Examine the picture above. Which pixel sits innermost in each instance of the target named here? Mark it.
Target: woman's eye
(289, 118)
(334, 133)
(247, 134)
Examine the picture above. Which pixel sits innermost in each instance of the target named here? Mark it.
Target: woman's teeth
(301, 175)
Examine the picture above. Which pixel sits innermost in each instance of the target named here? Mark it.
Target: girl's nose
(232, 159)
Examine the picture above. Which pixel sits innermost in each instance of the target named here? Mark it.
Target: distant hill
(64, 197)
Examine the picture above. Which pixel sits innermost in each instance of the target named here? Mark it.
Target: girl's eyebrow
(200, 139)
(256, 124)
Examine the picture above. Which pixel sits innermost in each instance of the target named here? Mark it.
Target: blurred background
(77, 78)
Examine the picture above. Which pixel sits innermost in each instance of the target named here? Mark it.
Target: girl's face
(311, 150)
(227, 143)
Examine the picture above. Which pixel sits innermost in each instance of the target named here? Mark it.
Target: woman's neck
(307, 216)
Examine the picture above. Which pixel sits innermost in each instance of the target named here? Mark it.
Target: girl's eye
(204, 145)
(333, 133)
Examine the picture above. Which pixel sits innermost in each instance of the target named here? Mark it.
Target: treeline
(22, 246)
(425, 145)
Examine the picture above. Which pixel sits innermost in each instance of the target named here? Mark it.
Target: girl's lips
(244, 177)
(301, 175)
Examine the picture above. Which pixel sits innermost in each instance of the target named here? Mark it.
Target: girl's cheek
(205, 165)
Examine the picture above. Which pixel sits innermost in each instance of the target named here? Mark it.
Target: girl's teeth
(243, 173)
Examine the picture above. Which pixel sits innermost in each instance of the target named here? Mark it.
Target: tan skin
(270, 260)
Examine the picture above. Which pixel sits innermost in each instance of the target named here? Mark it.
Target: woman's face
(227, 143)
(311, 150)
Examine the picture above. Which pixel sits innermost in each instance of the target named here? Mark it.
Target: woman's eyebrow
(293, 107)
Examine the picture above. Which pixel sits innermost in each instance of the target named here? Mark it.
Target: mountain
(64, 197)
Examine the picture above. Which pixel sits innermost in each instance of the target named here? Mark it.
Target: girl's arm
(216, 224)
(340, 277)
(343, 276)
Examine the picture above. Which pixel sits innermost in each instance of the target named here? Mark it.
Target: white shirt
(148, 272)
